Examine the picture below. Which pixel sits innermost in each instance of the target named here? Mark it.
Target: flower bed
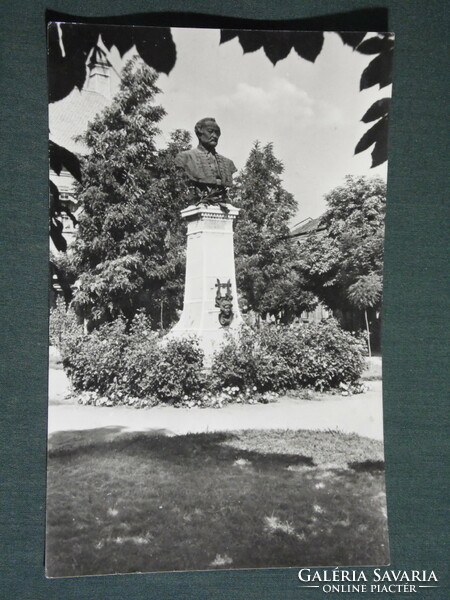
(120, 364)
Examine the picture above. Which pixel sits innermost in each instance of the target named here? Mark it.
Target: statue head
(226, 307)
(208, 132)
(226, 311)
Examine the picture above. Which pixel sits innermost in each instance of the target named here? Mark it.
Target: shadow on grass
(208, 447)
(126, 502)
(368, 466)
(68, 443)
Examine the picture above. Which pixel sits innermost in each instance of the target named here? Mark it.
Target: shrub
(93, 360)
(178, 371)
(120, 364)
(330, 356)
(133, 378)
(63, 325)
(319, 355)
(130, 364)
(246, 361)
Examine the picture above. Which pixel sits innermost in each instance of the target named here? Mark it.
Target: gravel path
(361, 414)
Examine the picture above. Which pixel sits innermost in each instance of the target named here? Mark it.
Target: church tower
(99, 75)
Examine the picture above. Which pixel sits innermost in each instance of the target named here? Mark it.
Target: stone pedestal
(209, 257)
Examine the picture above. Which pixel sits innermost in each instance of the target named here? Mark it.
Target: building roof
(307, 226)
(70, 117)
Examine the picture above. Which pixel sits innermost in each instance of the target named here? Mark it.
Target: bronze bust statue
(209, 174)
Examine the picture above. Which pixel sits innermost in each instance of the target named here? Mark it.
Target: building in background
(299, 232)
(68, 119)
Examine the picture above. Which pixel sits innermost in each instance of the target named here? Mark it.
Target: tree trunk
(161, 320)
(368, 333)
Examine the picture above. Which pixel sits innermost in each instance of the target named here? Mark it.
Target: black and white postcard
(217, 204)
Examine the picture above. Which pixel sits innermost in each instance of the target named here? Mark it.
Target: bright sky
(310, 111)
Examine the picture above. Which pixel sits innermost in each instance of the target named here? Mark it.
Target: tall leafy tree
(365, 293)
(343, 262)
(267, 269)
(128, 250)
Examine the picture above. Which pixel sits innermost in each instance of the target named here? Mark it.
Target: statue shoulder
(187, 154)
(182, 158)
(231, 167)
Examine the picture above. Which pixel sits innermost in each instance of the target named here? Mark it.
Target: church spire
(99, 76)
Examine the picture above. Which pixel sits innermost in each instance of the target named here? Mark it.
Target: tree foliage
(63, 270)
(267, 271)
(128, 251)
(366, 291)
(343, 264)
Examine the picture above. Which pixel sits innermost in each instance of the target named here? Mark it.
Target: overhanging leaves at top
(376, 45)
(68, 49)
(70, 44)
(377, 134)
(352, 38)
(277, 44)
(379, 71)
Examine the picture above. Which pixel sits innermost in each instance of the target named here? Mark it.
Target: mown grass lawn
(121, 502)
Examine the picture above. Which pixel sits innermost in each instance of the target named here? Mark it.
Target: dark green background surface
(415, 313)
